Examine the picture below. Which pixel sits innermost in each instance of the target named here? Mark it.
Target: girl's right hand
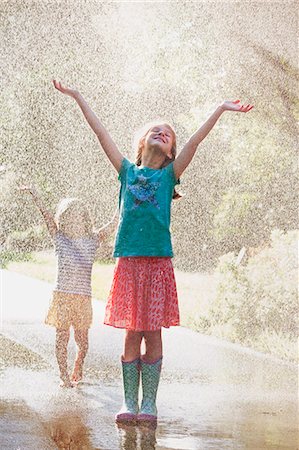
(64, 90)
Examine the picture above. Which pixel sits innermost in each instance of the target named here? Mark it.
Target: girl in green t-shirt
(143, 296)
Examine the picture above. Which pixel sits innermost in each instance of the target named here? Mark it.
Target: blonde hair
(67, 209)
(139, 143)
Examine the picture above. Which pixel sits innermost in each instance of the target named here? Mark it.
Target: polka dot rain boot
(150, 374)
(131, 375)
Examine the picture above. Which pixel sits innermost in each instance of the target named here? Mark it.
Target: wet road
(212, 395)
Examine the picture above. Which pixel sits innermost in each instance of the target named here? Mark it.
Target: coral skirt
(143, 295)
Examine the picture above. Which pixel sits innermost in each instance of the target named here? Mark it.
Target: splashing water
(134, 62)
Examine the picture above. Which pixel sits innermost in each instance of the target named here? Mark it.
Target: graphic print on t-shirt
(144, 191)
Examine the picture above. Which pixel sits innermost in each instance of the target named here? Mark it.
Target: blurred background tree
(137, 61)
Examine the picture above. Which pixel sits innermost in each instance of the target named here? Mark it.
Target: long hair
(67, 210)
(139, 140)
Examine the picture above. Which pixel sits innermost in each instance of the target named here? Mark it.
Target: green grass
(7, 256)
(194, 289)
(42, 266)
(196, 292)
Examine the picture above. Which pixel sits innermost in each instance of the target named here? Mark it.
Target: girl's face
(160, 137)
(74, 223)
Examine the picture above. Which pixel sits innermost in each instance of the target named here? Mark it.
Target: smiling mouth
(160, 139)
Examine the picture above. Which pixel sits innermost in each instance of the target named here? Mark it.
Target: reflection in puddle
(20, 427)
(69, 433)
(177, 435)
(137, 437)
(202, 415)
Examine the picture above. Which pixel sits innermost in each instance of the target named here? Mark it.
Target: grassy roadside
(196, 292)
(42, 265)
(194, 289)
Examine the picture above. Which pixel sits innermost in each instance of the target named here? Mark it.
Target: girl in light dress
(76, 243)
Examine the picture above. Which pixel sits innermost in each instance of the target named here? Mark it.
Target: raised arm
(107, 230)
(185, 156)
(102, 134)
(47, 215)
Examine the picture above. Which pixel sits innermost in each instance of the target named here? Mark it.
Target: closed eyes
(157, 130)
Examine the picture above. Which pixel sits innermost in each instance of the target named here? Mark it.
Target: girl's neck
(152, 161)
(75, 234)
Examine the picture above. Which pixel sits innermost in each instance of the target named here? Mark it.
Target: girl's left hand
(65, 90)
(30, 189)
(235, 106)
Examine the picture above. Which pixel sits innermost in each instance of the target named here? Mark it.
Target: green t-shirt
(144, 203)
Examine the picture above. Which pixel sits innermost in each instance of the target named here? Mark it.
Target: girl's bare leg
(81, 338)
(132, 345)
(62, 339)
(153, 345)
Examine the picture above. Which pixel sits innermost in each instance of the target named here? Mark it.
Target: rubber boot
(131, 375)
(150, 374)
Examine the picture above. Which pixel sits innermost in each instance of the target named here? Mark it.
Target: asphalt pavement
(212, 394)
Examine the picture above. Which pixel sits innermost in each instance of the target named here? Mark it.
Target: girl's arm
(47, 215)
(187, 153)
(102, 134)
(107, 230)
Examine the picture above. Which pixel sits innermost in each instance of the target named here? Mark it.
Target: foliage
(134, 62)
(7, 256)
(35, 238)
(256, 304)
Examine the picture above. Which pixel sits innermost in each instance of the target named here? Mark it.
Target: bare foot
(77, 374)
(65, 381)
